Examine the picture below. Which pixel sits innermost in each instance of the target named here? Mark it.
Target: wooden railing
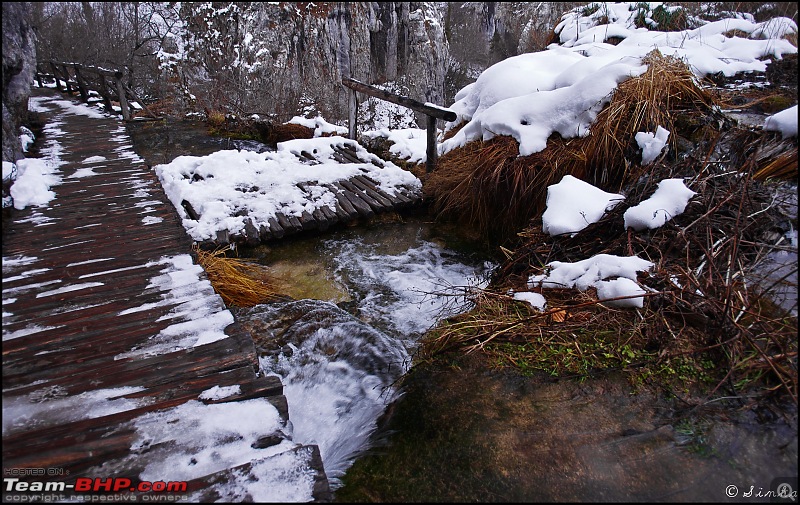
(107, 83)
(433, 112)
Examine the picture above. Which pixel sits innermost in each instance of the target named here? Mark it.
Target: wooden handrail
(115, 75)
(425, 108)
(433, 112)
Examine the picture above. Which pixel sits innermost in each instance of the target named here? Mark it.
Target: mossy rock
(774, 103)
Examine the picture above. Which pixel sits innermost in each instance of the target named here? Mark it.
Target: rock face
(19, 65)
(482, 33)
(267, 57)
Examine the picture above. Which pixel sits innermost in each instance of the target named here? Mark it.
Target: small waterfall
(338, 366)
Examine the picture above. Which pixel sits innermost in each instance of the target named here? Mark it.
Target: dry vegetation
(238, 282)
(708, 329)
(486, 184)
(706, 322)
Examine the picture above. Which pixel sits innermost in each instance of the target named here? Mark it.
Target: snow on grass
(784, 121)
(536, 300)
(669, 200)
(573, 204)
(605, 272)
(561, 90)
(652, 144)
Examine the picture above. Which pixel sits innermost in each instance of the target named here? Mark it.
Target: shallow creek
(363, 297)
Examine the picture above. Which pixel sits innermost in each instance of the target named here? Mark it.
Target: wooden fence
(108, 84)
(433, 112)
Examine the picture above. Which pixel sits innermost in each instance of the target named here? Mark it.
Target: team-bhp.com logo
(120, 487)
(87, 485)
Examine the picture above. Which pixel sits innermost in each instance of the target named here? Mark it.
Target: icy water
(363, 296)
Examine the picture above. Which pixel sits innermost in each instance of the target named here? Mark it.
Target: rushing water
(364, 295)
(338, 362)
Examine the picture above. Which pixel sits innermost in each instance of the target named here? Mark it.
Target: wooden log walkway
(91, 296)
(359, 197)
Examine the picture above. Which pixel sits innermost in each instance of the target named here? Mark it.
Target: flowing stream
(363, 297)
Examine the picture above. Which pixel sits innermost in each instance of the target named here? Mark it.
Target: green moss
(775, 103)
(435, 452)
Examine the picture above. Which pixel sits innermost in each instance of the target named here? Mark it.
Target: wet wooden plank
(361, 207)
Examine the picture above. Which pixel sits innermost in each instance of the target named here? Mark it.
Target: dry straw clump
(238, 282)
(485, 184)
(707, 329)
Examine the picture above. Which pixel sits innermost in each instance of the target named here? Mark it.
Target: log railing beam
(433, 112)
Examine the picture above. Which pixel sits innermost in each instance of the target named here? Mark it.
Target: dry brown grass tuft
(238, 282)
(783, 166)
(486, 184)
(708, 324)
(668, 88)
(215, 118)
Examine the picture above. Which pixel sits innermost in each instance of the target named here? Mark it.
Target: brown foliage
(486, 184)
(238, 282)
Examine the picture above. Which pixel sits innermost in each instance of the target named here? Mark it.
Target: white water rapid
(338, 366)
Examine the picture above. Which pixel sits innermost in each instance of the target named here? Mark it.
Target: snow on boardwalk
(308, 184)
(119, 360)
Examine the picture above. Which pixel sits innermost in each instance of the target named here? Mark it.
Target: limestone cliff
(19, 64)
(268, 57)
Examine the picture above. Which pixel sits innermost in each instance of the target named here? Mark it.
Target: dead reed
(488, 186)
(239, 283)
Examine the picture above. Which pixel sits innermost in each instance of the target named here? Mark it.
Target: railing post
(123, 100)
(81, 83)
(430, 163)
(55, 75)
(66, 79)
(352, 106)
(105, 94)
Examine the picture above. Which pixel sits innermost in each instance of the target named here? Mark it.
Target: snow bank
(573, 204)
(561, 90)
(669, 200)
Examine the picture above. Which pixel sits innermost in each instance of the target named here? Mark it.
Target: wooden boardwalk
(100, 322)
(358, 197)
